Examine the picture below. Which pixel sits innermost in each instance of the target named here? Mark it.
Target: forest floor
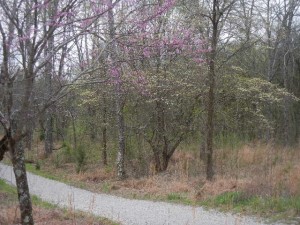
(43, 212)
(254, 179)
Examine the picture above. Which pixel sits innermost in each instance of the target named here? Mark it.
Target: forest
(146, 89)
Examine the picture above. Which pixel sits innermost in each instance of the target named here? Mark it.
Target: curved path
(126, 211)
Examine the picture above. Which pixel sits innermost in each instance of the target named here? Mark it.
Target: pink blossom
(86, 22)
(146, 52)
(115, 72)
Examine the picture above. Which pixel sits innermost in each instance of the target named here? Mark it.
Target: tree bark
(104, 134)
(21, 181)
(48, 133)
(203, 143)
(120, 122)
(118, 94)
(3, 146)
(287, 67)
(48, 81)
(210, 125)
(74, 130)
(211, 93)
(163, 154)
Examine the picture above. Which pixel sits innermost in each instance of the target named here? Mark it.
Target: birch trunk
(118, 95)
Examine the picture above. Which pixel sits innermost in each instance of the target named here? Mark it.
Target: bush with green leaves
(80, 158)
(245, 104)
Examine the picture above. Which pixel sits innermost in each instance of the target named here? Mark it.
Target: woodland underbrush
(254, 178)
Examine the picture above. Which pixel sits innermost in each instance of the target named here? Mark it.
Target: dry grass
(11, 215)
(262, 168)
(43, 215)
(255, 169)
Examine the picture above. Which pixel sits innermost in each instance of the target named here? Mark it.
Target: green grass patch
(39, 202)
(106, 187)
(174, 197)
(272, 207)
(32, 168)
(12, 192)
(5, 188)
(180, 198)
(11, 196)
(46, 174)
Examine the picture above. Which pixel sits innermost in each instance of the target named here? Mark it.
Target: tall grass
(260, 176)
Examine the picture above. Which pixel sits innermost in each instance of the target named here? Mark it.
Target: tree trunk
(161, 161)
(91, 124)
(203, 145)
(157, 162)
(162, 147)
(21, 181)
(74, 131)
(287, 106)
(104, 134)
(48, 82)
(48, 133)
(287, 68)
(210, 128)
(104, 150)
(211, 92)
(3, 146)
(165, 162)
(120, 122)
(118, 95)
(165, 156)
(162, 157)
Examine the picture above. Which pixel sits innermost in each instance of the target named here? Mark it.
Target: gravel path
(126, 211)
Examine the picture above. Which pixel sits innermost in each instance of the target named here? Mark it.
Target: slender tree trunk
(287, 66)
(203, 143)
(21, 181)
(165, 161)
(161, 136)
(161, 162)
(29, 138)
(48, 133)
(104, 150)
(49, 118)
(104, 134)
(74, 131)
(210, 125)
(48, 81)
(156, 159)
(118, 95)
(120, 122)
(211, 93)
(163, 148)
(286, 111)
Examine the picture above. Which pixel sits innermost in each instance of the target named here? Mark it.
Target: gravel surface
(126, 211)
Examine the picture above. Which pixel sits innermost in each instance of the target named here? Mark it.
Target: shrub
(80, 158)
(66, 153)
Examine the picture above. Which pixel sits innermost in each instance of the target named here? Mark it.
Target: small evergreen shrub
(80, 158)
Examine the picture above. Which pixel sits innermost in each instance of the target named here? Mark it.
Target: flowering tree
(30, 41)
(152, 45)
